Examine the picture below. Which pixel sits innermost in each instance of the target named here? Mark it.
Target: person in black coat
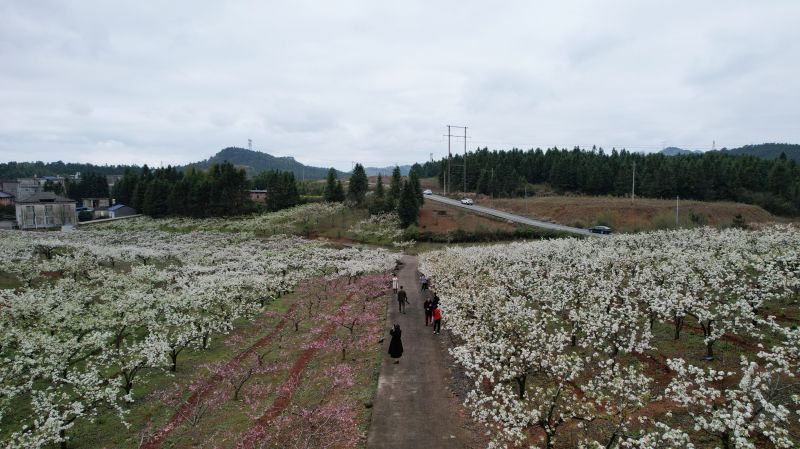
(396, 345)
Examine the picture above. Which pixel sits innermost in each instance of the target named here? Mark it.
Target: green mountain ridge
(767, 151)
(761, 151)
(255, 162)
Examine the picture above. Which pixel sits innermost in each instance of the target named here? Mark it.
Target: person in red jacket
(437, 320)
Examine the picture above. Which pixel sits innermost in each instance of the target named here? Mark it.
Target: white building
(45, 210)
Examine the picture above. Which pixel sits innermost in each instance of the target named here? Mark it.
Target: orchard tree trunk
(707, 334)
(678, 325)
(710, 350)
(521, 382)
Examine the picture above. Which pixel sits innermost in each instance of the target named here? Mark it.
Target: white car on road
(427, 192)
(467, 201)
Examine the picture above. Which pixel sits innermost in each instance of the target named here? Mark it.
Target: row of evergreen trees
(403, 196)
(219, 191)
(281, 187)
(773, 184)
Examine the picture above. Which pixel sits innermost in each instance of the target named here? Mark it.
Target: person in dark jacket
(428, 305)
(396, 345)
(402, 300)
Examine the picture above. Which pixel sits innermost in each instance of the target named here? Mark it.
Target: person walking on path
(428, 305)
(435, 301)
(437, 320)
(423, 282)
(402, 300)
(396, 345)
(394, 283)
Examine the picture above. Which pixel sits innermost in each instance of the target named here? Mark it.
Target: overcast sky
(373, 81)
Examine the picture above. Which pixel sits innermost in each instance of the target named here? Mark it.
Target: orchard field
(682, 339)
(133, 336)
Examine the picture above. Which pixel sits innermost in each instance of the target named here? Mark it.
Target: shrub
(604, 219)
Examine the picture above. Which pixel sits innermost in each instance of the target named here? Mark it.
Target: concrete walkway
(414, 408)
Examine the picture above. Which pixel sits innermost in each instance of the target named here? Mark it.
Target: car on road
(427, 192)
(600, 230)
(467, 201)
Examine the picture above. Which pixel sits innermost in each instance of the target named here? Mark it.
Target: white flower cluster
(95, 312)
(287, 221)
(378, 228)
(559, 332)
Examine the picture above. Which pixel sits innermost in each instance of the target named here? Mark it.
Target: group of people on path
(433, 315)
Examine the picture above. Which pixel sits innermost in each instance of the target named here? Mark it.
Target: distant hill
(675, 151)
(387, 171)
(767, 151)
(255, 162)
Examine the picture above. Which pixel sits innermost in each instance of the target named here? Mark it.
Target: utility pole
(633, 183)
(447, 180)
(677, 223)
(449, 156)
(465, 160)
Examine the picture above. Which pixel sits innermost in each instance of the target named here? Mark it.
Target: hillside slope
(256, 162)
(767, 151)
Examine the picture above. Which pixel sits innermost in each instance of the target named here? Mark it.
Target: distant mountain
(675, 151)
(387, 171)
(255, 162)
(767, 151)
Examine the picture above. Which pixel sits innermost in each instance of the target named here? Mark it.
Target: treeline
(219, 191)
(14, 170)
(281, 188)
(772, 184)
(91, 185)
(402, 196)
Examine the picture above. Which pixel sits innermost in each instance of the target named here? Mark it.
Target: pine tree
(379, 193)
(413, 179)
(395, 187)
(338, 192)
(407, 207)
(358, 185)
(330, 186)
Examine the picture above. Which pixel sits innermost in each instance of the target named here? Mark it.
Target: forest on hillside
(13, 170)
(772, 184)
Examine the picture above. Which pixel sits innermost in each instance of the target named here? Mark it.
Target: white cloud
(377, 82)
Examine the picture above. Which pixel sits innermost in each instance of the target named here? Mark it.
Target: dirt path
(414, 407)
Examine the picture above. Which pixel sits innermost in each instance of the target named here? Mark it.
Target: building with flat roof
(44, 210)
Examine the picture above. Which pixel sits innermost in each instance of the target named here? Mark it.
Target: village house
(258, 196)
(9, 187)
(6, 199)
(96, 203)
(45, 210)
(120, 210)
(29, 186)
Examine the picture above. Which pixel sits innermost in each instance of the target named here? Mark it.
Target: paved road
(413, 408)
(511, 217)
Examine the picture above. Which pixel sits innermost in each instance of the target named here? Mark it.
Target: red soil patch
(624, 215)
(441, 219)
(258, 431)
(209, 385)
